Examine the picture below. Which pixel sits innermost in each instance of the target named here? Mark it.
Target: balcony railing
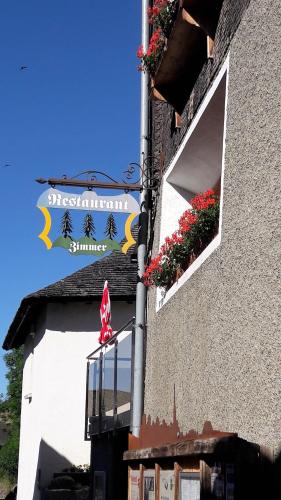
(109, 383)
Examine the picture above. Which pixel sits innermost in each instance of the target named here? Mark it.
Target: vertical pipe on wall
(86, 429)
(142, 239)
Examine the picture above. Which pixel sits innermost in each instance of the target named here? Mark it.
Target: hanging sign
(88, 202)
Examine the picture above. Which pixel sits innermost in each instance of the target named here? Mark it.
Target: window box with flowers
(161, 16)
(194, 220)
(197, 228)
(178, 47)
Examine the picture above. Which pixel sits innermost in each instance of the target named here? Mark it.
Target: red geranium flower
(140, 52)
(186, 221)
(204, 200)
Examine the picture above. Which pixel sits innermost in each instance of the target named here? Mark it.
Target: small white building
(59, 326)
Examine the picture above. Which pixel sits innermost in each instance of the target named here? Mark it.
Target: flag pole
(142, 241)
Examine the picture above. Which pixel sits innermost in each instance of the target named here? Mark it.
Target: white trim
(162, 299)
(201, 109)
(188, 273)
(225, 67)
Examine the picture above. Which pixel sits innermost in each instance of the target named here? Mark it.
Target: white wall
(52, 423)
(174, 204)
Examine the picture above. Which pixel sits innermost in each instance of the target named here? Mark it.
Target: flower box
(182, 61)
(182, 39)
(198, 226)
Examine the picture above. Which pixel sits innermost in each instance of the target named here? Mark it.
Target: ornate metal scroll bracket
(136, 178)
(148, 175)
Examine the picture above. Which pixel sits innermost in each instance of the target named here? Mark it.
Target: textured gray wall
(218, 339)
(166, 138)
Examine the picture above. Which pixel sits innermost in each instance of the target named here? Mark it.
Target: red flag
(105, 316)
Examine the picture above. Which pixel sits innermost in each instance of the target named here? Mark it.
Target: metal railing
(109, 383)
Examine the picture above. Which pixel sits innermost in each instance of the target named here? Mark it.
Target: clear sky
(75, 107)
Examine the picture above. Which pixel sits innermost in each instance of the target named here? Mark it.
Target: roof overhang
(226, 445)
(32, 306)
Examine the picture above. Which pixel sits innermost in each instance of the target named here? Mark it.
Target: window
(196, 167)
(189, 486)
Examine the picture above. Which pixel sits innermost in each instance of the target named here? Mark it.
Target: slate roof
(88, 282)
(117, 268)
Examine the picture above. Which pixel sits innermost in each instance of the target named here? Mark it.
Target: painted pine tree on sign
(89, 228)
(66, 224)
(110, 229)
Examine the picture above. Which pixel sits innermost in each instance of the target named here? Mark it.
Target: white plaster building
(59, 326)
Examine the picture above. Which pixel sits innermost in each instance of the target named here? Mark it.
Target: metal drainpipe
(142, 243)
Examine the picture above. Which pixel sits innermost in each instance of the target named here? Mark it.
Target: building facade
(213, 342)
(59, 327)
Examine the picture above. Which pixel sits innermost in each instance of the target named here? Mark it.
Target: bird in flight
(6, 165)
(22, 68)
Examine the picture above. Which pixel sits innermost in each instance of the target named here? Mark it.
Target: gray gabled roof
(117, 268)
(88, 282)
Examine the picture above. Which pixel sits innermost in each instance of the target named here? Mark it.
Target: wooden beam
(141, 490)
(184, 448)
(157, 481)
(129, 483)
(177, 469)
(205, 481)
(178, 120)
(205, 12)
(157, 96)
(210, 47)
(155, 93)
(188, 18)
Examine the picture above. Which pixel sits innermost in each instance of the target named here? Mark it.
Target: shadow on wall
(257, 477)
(49, 462)
(85, 317)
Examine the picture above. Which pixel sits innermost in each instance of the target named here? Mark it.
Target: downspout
(138, 391)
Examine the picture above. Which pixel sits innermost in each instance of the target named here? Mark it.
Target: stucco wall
(167, 138)
(52, 424)
(218, 338)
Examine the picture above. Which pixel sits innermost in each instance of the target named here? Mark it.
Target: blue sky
(75, 108)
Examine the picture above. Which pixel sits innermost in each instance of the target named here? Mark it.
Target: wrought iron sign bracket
(135, 179)
(148, 181)
(89, 184)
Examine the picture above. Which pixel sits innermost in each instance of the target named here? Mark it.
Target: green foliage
(110, 229)
(9, 455)
(66, 224)
(78, 468)
(202, 233)
(14, 362)
(162, 15)
(62, 483)
(10, 410)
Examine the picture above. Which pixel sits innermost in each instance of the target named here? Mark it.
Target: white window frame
(161, 297)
